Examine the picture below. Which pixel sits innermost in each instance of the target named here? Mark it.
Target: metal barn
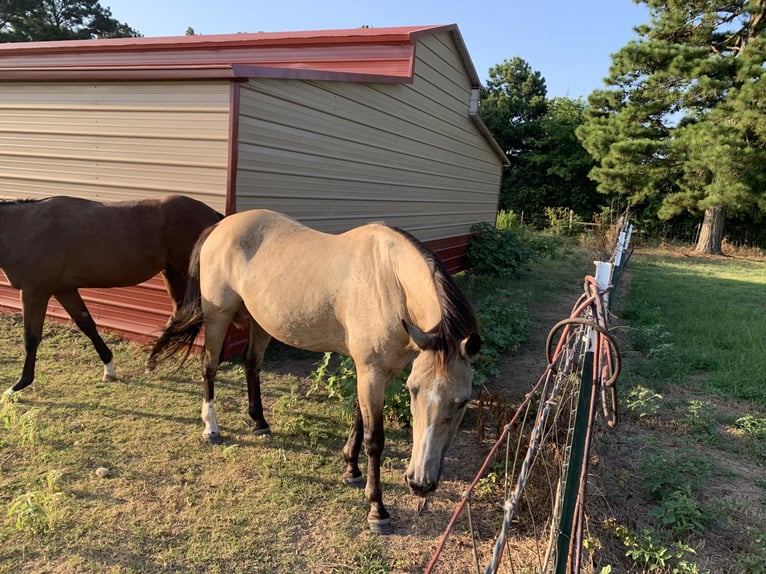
(335, 128)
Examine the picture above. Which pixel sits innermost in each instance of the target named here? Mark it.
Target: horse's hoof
(354, 481)
(109, 378)
(264, 432)
(9, 396)
(213, 438)
(380, 526)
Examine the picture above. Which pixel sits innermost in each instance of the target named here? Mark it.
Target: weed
(646, 549)
(337, 374)
(700, 417)
(36, 511)
(753, 560)
(643, 402)
(751, 426)
(665, 472)
(682, 514)
(23, 425)
(504, 326)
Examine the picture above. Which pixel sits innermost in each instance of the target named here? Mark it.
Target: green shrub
(497, 252)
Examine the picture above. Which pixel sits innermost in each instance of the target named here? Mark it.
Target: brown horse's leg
(75, 307)
(371, 386)
(33, 309)
(258, 340)
(175, 283)
(353, 476)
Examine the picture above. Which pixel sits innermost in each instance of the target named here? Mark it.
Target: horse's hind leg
(75, 307)
(33, 306)
(175, 283)
(216, 325)
(258, 340)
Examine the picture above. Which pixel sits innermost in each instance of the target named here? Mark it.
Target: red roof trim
(354, 36)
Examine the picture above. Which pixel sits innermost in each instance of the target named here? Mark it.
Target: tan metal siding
(338, 154)
(114, 140)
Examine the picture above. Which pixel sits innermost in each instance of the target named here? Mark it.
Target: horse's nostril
(419, 488)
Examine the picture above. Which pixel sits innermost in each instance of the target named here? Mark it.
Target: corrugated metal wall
(336, 154)
(114, 141)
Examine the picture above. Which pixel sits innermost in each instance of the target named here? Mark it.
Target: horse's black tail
(186, 323)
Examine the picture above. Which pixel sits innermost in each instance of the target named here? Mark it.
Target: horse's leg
(33, 310)
(371, 386)
(258, 340)
(175, 283)
(215, 332)
(75, 307)
(353, 476)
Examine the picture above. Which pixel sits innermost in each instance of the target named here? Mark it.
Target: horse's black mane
(458, 317)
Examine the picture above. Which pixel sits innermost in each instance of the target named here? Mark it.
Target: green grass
(700, 319)
(693, 390)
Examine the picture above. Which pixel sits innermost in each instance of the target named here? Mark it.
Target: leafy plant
(647, 550)
(643, 402)
(700, 417)
(682, 514)
(497, 252)
(751, 426)
(337, 374)
(504, 326)
(36, 511)
(21, 424)
(665, 472)
(507, 219)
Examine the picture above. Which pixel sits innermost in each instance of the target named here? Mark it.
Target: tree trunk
(711, 233)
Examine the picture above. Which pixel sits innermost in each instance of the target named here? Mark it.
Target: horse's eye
(414, 391)
(460, 403)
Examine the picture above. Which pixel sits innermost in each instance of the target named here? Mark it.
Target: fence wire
(583, 367)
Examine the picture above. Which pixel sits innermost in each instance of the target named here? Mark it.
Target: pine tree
(40, 20)
(682, 122)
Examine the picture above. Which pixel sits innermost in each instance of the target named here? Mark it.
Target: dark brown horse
(373, 293)
(54, 246)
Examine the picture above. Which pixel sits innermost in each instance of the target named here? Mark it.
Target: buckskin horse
(52, 247)
(373, 293)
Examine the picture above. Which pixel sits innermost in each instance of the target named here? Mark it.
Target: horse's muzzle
(417, 488)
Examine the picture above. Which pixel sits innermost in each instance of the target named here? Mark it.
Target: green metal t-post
(576, 461)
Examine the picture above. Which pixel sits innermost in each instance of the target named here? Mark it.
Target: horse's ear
(421, 339)
(470, 346)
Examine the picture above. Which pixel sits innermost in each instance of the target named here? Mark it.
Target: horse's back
(70, 242)
(309, 289)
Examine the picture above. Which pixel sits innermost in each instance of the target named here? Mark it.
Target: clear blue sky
(568, 41)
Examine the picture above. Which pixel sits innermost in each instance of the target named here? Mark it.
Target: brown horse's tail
(186, 323)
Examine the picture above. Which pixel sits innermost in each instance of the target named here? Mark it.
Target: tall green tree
(681, 125)
(549, 165)
(39, 20)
